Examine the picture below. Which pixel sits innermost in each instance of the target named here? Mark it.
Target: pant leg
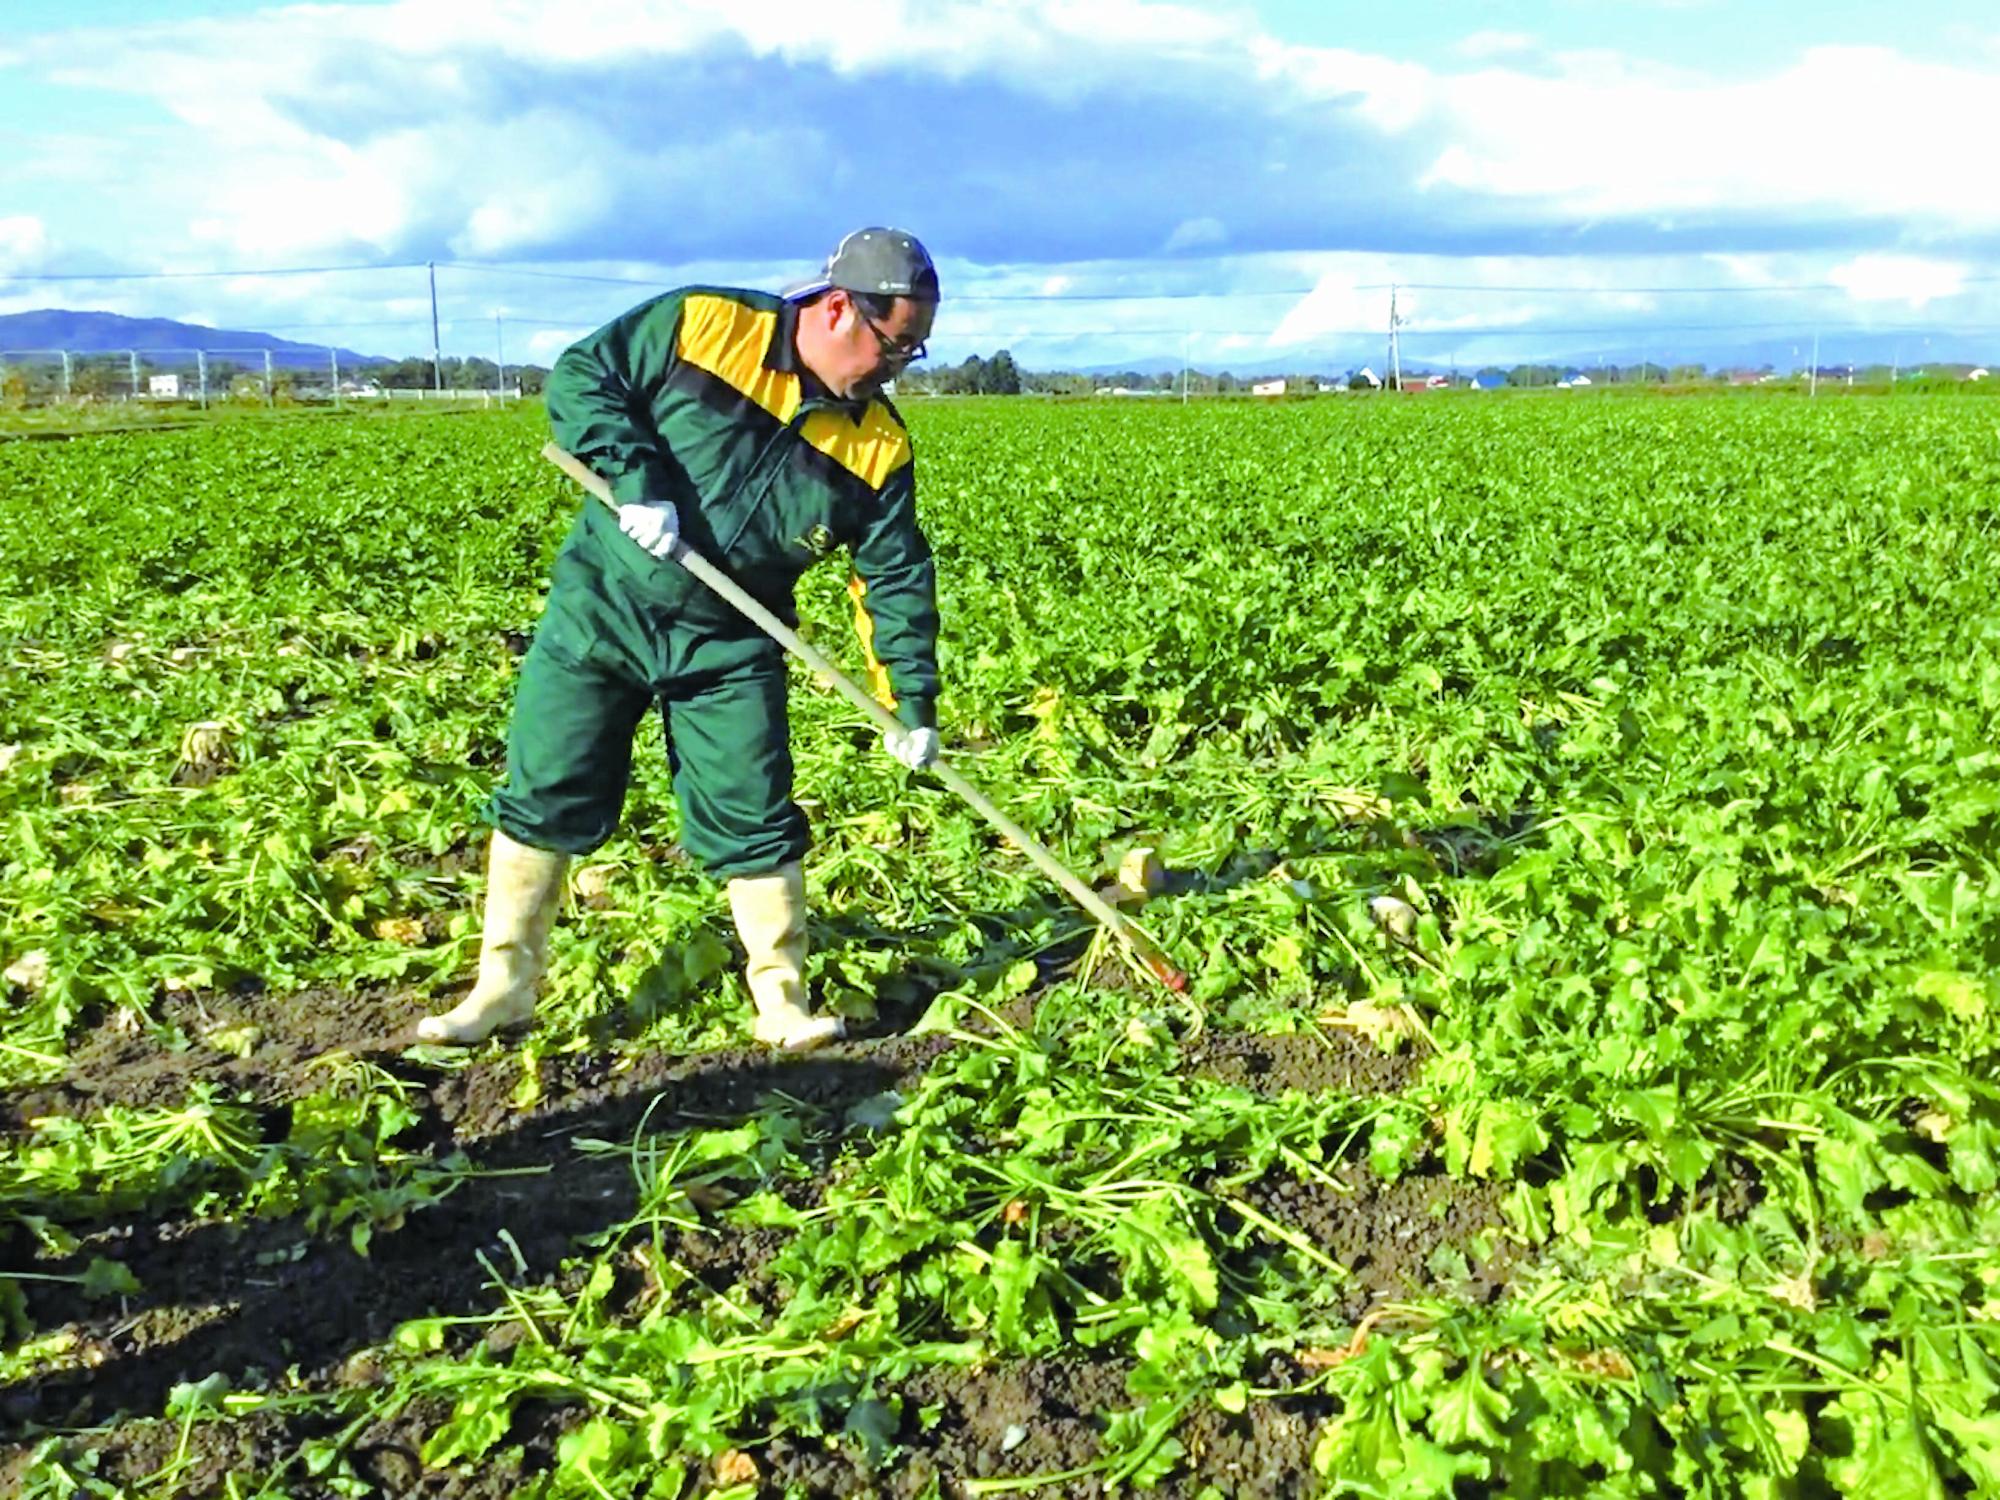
(730, 747)
(581, 694)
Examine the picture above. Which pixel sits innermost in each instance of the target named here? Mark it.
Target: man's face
(870, 352)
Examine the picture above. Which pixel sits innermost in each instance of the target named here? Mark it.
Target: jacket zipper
(770, 475)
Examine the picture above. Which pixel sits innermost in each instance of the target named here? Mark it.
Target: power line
(1640, 291)
(1428, 286)
(197, 275)
(490, 268)
(345, 323)
(1793, 325)
(1140, 296)
(1210, 294)
(503, 270)
(1523, 330)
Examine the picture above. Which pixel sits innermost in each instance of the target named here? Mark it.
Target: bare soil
(267, 1301)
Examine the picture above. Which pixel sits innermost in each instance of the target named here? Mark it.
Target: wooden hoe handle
(1136, 942)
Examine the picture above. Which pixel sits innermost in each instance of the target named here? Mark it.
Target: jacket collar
(783, 353)
(783, 356)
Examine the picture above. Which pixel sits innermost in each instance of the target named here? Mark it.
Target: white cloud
(1898, 278)
(1351, 295)
(1392, 96)
(514, 129)
(534, 202)
(1051, 46)
(265, 176)
(1747, 270)
(1196, 234)
(24, 240)
(1609, 137)
(1337, 306)
(544, 344)
(296, 195)
(1482, 45)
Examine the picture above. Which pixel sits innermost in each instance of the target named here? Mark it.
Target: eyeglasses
(893, 352)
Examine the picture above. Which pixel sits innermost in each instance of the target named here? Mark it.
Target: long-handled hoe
(1136, 942)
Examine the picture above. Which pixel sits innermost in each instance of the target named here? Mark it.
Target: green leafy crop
(1629, 766)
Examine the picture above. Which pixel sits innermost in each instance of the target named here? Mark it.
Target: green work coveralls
(699, 397)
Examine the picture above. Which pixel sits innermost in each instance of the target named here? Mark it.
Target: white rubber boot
(770, 912)
(523, 890)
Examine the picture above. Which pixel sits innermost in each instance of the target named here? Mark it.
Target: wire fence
(239, 376)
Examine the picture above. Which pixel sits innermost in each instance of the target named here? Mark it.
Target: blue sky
(1101, 182)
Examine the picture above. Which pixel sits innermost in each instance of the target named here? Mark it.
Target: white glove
(656, 526)
(915, 748)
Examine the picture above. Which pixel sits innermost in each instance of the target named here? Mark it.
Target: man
(754, 426)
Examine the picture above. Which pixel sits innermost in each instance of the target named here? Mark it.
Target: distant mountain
(108, 333)
(1150, 364)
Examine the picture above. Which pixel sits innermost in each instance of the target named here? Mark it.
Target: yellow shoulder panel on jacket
(729, 340)
(871, 449)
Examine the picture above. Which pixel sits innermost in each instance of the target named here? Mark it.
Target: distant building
(167, 387)
(1490, 380)
(1978, 374)
(1438, 383)
(1364, 379)
(1268, 388)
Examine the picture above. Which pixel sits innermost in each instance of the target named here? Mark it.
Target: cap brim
(798, 291)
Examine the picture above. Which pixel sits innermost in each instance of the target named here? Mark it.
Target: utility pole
(437, 354)
(270, 385)
(132, 361)
(1812, 382)
(499, 361)
(334, 356)
(201, 375)
(65, 357)
(1395, 344)
(1184, 368)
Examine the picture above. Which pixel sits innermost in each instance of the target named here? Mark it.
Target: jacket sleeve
(895, 605)
(600, 399)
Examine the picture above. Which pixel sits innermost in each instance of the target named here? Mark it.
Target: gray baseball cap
(886, 262)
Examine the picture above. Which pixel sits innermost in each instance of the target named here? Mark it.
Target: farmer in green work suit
(754, 427)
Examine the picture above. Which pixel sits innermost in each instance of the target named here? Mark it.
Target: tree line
(455, 374)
